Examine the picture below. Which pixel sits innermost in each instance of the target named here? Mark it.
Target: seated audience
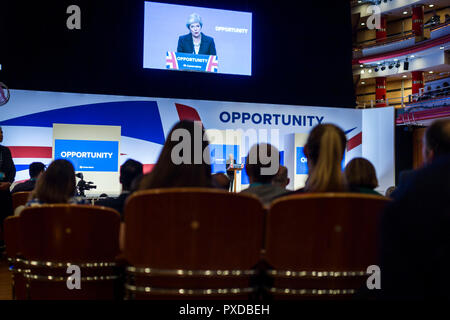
(55, 185)
(361, 176)
(178, 164)
(389, 191)
(281, 179)
(261, 172)
(36, 168)
(324, 151)
(130, 170)
(221, 181)
(415, 246)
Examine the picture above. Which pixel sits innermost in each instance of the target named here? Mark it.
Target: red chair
(20, 198)
(12, 232)
(320, 245)
(54, 237)
(187, 243)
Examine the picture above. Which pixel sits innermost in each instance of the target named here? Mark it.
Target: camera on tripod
(84, 185)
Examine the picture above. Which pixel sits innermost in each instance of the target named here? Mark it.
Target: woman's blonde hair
(325, 149)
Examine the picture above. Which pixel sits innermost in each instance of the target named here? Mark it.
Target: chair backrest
(11, 236)
(20, 198)
(193, 229)
(63, 232)
(54, 236)
(324, 232)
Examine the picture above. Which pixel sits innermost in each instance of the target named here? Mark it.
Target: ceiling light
(363, 24)
(362, 71)
(378, 62)
(395, 59)
(361, 65)
(370, 70)
(442, 47)
(412, 56)
(431, 5)
(362, 82)
(405, 76)
(430, 71)
(405, 12)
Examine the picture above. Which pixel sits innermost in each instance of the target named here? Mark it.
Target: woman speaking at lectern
(196, 42)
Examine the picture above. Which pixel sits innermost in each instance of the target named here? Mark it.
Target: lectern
(235, 168)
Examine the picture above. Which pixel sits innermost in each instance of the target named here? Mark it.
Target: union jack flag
(171, 61)
(213, 64)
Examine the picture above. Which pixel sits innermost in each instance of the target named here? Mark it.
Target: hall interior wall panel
(365, 34)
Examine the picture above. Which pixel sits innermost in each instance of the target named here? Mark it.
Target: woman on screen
(196, 42)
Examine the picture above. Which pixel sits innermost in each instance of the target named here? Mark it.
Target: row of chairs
(192, 243)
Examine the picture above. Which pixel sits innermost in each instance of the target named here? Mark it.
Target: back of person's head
(184, 160)
(361, 173)
(35, 169)
(281, 179)
(437, 140)
(221, 181)
(262, 163)
(129, 170)
(325, 150)
(56, 184)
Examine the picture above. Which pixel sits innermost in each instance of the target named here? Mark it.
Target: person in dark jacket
(195, 42)
(36, 168)
(129, 171)
(7, 175)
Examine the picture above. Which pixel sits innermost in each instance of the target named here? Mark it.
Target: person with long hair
(181, 162)
(324, 151)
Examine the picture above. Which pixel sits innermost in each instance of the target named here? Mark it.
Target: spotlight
(362, 71)
(383, 68)
(397, 65)
(362, 82)
(361, 65)
(391, 66)
(376, 69)
(370, 70)
(405, 12)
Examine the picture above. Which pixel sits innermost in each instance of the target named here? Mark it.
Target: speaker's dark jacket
(186, 45)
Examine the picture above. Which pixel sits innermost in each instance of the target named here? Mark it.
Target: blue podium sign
(88, 155)
(191, 62)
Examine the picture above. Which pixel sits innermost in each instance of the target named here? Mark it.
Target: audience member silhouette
(361, 176)
(180, 164)
(36, 168)
(324, 150)
(262, 165)
(415, 247)
(130, 170)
